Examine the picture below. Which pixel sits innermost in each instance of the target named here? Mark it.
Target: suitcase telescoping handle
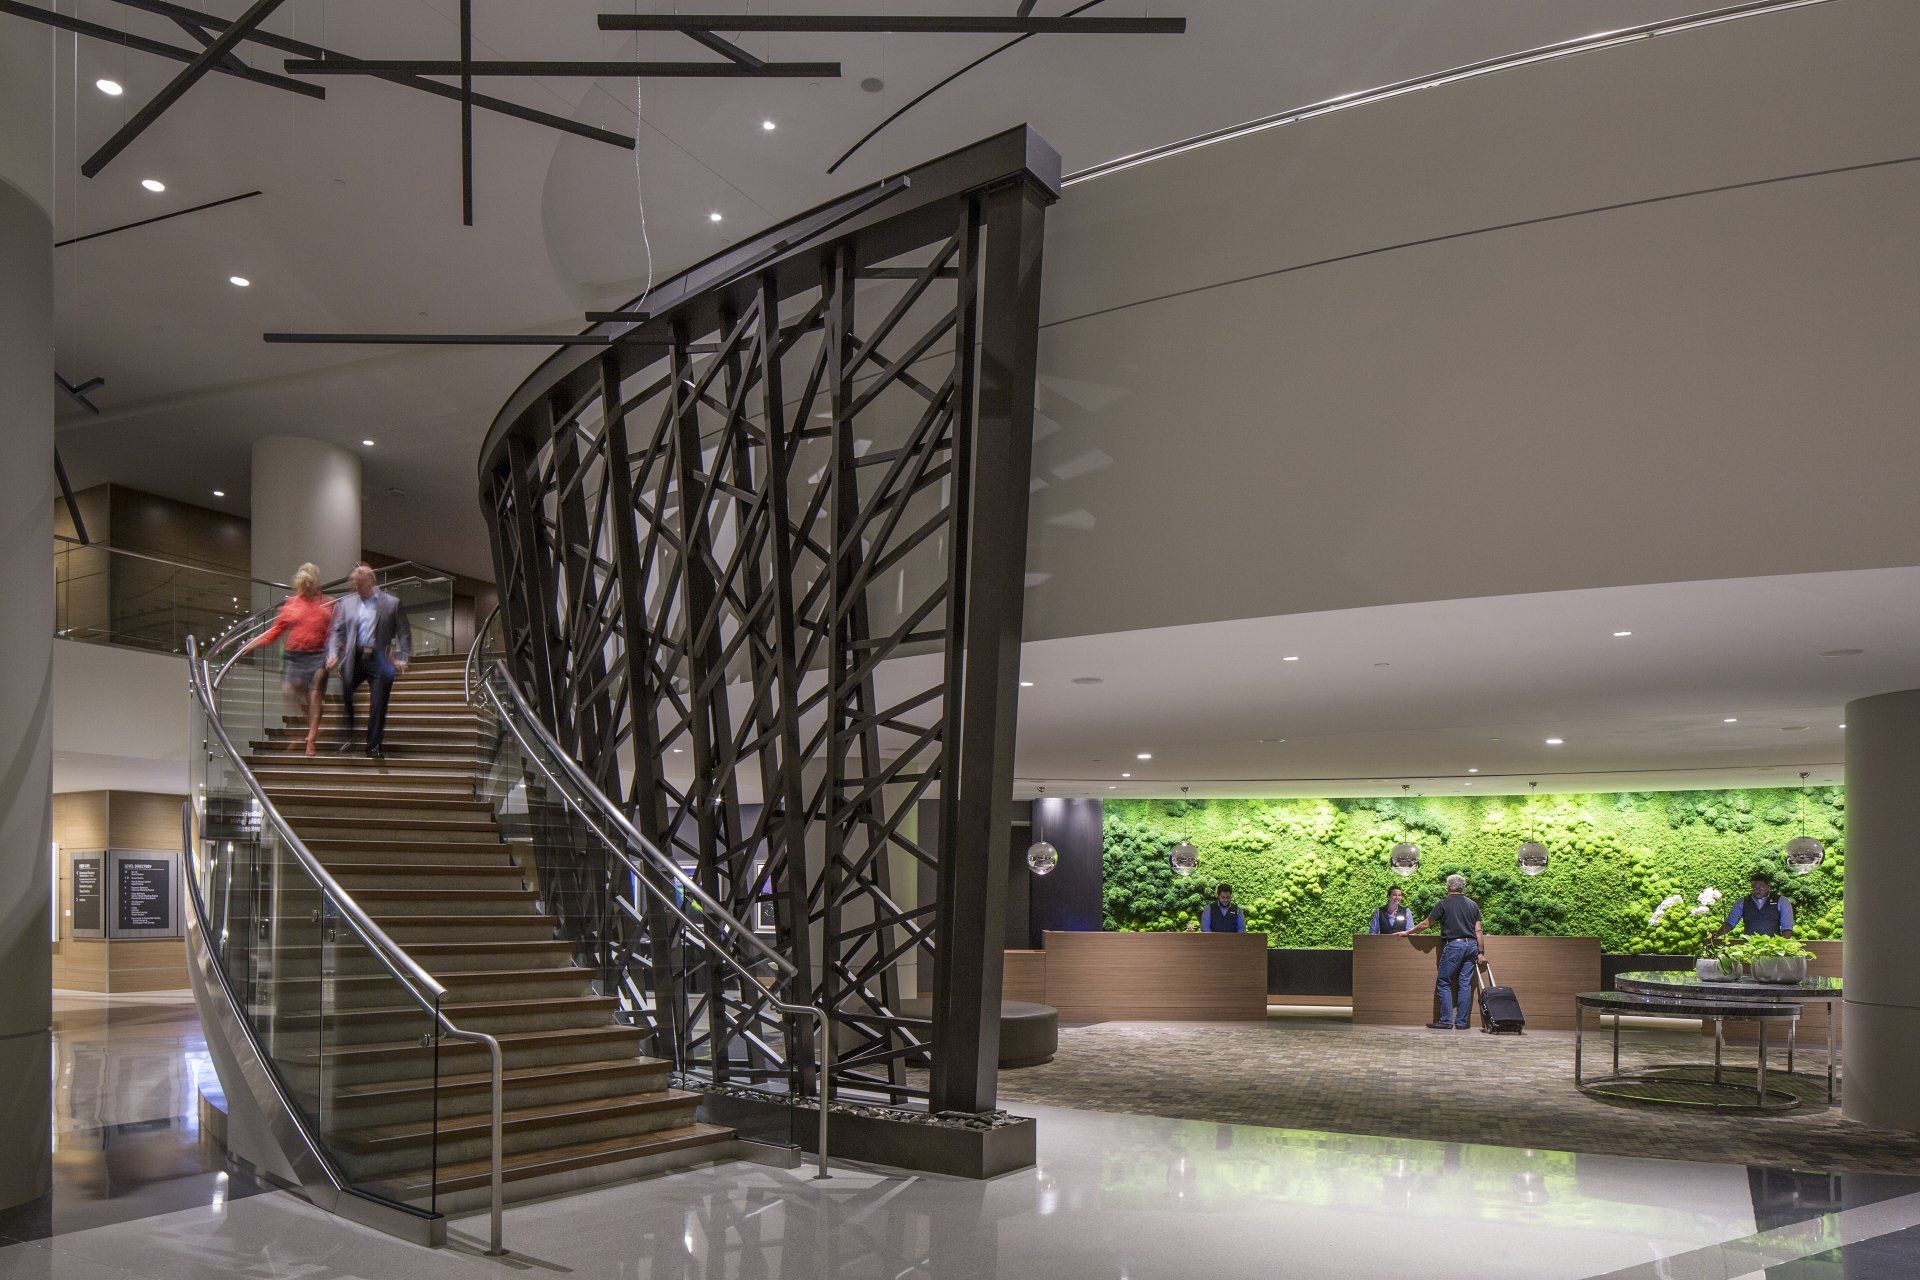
(1488, 966)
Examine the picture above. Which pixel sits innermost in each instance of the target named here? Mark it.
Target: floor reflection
(127, 1075)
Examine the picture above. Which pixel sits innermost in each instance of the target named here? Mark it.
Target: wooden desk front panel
(1158, 977)
(1023, 977)
(1393, 978)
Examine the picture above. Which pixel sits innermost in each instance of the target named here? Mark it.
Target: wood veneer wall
(97, 820)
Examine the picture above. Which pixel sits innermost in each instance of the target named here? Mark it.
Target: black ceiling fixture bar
(79, 394)
(865, 24)
(206, 60)
(66, 493)
(284, 44)
(466, 112)
(446, 339)
(159, 49)
(162, 217)
(590, 70)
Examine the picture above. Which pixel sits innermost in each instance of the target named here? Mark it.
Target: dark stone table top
(1688, 983)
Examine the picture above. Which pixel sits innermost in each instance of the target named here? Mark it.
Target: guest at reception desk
(1221, 916)
(1394, 917)
(1462, 948)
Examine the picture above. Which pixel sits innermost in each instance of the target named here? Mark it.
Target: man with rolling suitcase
(1462, 948)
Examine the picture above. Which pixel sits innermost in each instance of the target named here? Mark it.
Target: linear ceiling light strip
(880, 24)
(206, 60)
(157, 48)
(284, 44)
(1507, 62)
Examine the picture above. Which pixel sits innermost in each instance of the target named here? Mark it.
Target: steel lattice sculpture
(762, 559)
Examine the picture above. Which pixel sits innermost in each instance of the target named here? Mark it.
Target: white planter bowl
(1711, 971)
(1780, 968)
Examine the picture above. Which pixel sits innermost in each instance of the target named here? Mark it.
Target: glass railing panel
(104, 595)
(650, 942)
(429, 605)
(358, 1052)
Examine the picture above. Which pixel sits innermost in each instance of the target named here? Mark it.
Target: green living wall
(1309, 873)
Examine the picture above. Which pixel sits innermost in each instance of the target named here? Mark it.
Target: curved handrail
(420, 985)
(522, 713)
(252, 626)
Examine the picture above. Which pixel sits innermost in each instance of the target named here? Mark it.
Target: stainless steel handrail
(252, 626)
(416, 981)
(74, 544)
(522, 712)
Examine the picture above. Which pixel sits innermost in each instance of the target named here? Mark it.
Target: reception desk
(1393, 978)
(1157, 977)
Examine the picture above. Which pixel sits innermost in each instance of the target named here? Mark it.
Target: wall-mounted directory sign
(146, 899)
(87, 906)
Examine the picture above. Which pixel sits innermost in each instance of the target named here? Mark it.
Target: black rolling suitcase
(1499, 1007)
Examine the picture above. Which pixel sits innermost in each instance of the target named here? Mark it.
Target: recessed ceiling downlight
(239, 282)
(1556, 742)
(1144, 755)
(768, 125)
(716, 216)
(1618, 634)
(109, 87)
(153, 184)
(219, 493)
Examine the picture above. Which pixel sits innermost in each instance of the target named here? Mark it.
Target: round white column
(306, 506)
(26, 631)
(1882, 1020)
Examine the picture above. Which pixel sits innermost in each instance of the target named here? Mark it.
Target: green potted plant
(1777, 959)
(1722, 957)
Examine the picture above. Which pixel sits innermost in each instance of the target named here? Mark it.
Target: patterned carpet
(1325, 1074)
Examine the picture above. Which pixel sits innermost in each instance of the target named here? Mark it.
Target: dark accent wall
(1069, 897)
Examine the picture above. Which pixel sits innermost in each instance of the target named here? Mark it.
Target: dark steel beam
(466, 112)
(162, 217)
(864, 24)
(727, 48)
(591, 70)
(79, 394)
(443, 339)
(159, 49)
(499, 106)
(66, 488)
(206, 60)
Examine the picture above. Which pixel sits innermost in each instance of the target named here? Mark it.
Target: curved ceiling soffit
(942, 83)
(594, 106)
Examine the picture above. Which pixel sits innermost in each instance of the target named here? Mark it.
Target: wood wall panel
(87, 821)
(1170, 977)
(1024, 977)
(1393, 978)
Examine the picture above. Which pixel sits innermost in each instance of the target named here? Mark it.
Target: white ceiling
(1477, 685)
(359, 227)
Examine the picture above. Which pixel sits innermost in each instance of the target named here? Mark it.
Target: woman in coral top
(304, 619)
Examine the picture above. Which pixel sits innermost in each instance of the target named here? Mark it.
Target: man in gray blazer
(372, 643)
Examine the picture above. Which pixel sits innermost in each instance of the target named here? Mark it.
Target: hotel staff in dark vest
(1221, 916)
(1762, 912)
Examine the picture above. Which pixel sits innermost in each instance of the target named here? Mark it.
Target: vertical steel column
(990, 495)
(536, 574)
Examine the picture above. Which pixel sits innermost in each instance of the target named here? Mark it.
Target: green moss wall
(1310, 872)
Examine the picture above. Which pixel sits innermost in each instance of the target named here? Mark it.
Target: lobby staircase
(409, 841)
(428, 982)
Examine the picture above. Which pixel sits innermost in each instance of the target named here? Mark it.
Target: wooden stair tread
(551, 1073)
(468, 1174)
(453, 976)
(517, 1117)
(508, 1040)
(473, 1008)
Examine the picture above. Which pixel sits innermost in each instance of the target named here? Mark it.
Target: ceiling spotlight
(768, 125)
(1843, 726)
(678, 750)
(1292, 657)
(219, 493)
(1144, 755)
(239, 282)
(1466, 784)
(1112, 787)
(1026, 684)
(1623, 633)
(715, 216)
(1473, 771)
(1128, 775)
(367, 444)
(1731, 720)
(153, 184)
(109, 87)
(1556, 742)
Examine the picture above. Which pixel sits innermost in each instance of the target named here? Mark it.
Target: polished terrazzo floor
(1115, 1197)
(1324, 1073)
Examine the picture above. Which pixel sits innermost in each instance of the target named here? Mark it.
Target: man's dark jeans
(378, 673)
(1454, 984)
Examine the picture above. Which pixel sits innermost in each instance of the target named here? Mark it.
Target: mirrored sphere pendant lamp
(1042, 857)
(1531, 857)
